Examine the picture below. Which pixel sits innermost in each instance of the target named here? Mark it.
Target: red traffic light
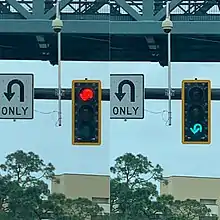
(86, 94)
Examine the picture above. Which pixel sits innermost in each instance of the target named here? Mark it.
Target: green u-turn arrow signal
(196, 128)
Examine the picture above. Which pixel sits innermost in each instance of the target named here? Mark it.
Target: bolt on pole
(59, 66)
(169, 67)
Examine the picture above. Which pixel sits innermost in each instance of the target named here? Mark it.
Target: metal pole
(169, 68)
(59, 67)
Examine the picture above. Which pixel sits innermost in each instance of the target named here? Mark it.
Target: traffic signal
(196, 111)
(86, 112)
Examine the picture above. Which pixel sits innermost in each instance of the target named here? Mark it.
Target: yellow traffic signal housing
(86, 112)
(196, 111)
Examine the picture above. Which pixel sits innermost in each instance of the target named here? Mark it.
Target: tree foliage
(135, 170)
(131, 188)
(134, 193)
(26, 168)
(189, 209)
(24, 193)
(82, 208)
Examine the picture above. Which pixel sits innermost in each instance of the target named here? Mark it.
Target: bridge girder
(34, 16)
(95, 18)
(35, 26)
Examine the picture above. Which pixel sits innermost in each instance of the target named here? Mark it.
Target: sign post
(126, 96)
(16, 96)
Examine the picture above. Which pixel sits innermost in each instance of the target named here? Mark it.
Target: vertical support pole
(59, 67)
(169, 68)
(38, 8)
(148, 7)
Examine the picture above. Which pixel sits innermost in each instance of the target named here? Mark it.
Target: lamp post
(57, 25)
(167, 26)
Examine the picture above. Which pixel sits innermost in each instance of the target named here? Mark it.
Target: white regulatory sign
(16, 96)
(126, 96)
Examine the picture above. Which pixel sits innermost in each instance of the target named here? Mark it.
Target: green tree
(25, 192)
(26, 168)
(33, 201)
(164, 206)
(82, 208)
(189, 209)
(55, 205)
(135, 196)
(132, 191)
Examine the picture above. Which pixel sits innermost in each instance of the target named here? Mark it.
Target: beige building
(203, 189)
(94, 187)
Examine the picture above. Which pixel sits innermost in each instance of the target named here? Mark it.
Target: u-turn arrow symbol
(196, 128)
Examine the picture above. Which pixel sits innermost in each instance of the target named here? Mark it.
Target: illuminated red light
(86, 94)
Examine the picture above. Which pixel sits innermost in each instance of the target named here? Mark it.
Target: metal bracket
(57, 92)
(167, 92)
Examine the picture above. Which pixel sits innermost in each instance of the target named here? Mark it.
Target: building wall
(94, 187)
(205, 190)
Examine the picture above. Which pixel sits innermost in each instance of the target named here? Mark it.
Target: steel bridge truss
(109, 21)
(110, 17)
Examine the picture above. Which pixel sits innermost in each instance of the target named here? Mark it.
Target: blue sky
(151, 137)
